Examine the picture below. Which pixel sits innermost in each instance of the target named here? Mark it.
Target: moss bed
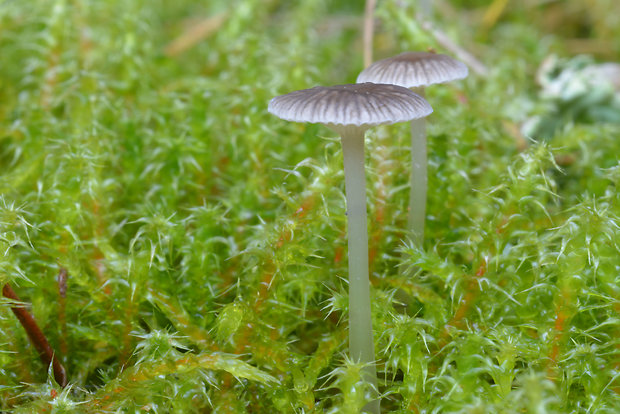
(182, 250)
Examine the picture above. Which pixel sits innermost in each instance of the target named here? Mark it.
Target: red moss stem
(36, 336)
(564, 312)
(62, 304)
(471, 293)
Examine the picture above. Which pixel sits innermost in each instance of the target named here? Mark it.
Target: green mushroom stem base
(418, 182)
(361, 347)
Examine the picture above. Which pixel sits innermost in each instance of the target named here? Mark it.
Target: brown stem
(442, 38)
(62, 305)
(369, 26)
(36, 337)
(472, 290)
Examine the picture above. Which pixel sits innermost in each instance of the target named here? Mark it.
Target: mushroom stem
(361, 347)
(419, 181)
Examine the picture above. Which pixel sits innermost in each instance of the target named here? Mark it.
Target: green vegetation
(204, 239)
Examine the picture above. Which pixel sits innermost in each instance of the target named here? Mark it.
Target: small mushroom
(350, 110)
(416, 70)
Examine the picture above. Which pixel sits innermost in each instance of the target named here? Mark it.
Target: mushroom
(416, 70)
(350, 110)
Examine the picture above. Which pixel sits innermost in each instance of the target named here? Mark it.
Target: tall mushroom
(350, 110)
(416, 70)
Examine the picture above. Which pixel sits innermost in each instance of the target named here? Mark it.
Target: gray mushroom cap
(359, 105)
(413, 69)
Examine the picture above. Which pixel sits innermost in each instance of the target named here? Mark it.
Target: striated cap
(360, 105)
(413, 69)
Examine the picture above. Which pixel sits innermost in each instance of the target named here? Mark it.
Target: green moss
(205, 239)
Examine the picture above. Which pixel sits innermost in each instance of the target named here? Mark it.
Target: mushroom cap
(361, 104)
(413, 69)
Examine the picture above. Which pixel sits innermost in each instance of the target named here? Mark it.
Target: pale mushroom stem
(418, 181)
(361, 347)
(419, 178)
